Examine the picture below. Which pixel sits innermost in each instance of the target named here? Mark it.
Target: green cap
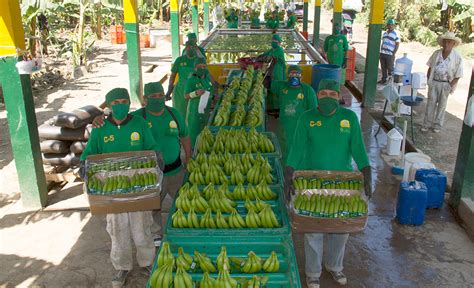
(116, 94)
(200, 60)
(391, 22)
(191, 36)
(329, 84)
(153, 88)
(294, 68)
(276, 37)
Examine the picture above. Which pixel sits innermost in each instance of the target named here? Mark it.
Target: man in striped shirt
(390, 43)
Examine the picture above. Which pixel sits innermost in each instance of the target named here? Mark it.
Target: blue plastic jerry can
(435, 182)
(411, 204)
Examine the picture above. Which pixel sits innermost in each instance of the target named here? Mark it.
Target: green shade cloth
(116, 94)
(329, 84)
(153, 88)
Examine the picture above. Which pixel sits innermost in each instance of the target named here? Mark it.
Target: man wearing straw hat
(445, 69)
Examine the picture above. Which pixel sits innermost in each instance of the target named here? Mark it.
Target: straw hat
(449, 36)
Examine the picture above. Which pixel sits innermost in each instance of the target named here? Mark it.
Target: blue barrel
(411, 205)
(435, 182)
(325, 71)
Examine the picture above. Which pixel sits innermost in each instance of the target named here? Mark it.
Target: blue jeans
(313, 248)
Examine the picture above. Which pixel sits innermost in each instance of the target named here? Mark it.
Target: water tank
(403, 66)
(325, 71)
(435, 182)
(411, 204)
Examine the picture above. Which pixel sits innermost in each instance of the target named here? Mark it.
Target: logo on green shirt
(135, 138)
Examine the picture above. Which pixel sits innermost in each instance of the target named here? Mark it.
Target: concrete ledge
(466, 213)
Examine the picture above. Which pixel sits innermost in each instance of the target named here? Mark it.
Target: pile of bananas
(163, 276)
(331, 206)
(115, 165)
(301, 183)
(121, 183)
(230, 168)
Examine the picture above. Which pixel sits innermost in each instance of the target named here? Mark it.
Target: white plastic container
(415, 167)
(411, 159)
(394, 142)
(29, 66)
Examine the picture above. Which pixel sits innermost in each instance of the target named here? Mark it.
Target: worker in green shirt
(273, 22)
(277, 69)
(183, 67)
(335, 47)
(124, 132)
(232, 19)
(254, 16)
(192, 39)
(292, 20)
(295, 98)
(199, 92)
(327, 138)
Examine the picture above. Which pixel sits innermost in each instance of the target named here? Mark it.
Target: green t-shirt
(166, 133)
(273, 23)
(328, 143)
(280, 66)
(336, 48)
(293, 100)
(255, 22)
(201, 50)
(132, 135)
(183, 65)
(291, 21)
(232, 21)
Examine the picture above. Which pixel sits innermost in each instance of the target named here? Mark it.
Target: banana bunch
(199, 203)
(207, 281)
(253, 264)
(221, 223)
(236, 177)
(207, 221)
(235, 220)
(224, 280)
(223, 260)
(165, 256)
(252, 220)
(260, 172)
(204, 262)
(255, 282)
(232, 164)
(222, 115)
(162, 277)
(192, 220)
(254, 116)
(258, 206)
(271, 265)
(237, 116)
(179, 220)
(301, 183)
(268, 218)
(233, 141)
(261, 191)
(184, 259)
(182, 279)
(332, 206)
(219, 201)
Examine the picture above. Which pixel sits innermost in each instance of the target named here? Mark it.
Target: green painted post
(373, 52)
(463, 178)
(23, 134)
(305, 16)
(174, 17)
(195, 18)
(317, 22)
(337, 13)
(206, 16)
(134, 62)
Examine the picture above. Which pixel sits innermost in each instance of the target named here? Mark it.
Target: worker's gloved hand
(367, 172)
(289, 188)
(98, 121)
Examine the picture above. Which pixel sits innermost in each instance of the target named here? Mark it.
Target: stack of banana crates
(328, 202)
(229, 226)
(242, 104)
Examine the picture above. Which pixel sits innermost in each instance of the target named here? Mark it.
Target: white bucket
(394, 142)
(412, 158)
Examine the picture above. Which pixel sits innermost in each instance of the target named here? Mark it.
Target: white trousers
(122, 228)
(438, 93)
(314, 247)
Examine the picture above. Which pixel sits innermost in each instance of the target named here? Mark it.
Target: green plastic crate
(287, 277)
(278, 206)
(270, 135)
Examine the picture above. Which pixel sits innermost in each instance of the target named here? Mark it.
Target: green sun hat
(116, 94)
(391, 22)
(276, 37)
(153, 88)
(329, 84)
(191, 36)
(294, 68)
